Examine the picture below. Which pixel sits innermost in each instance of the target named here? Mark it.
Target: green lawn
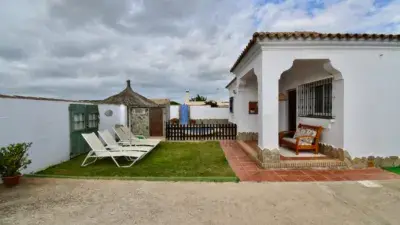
(168, 159)
(393, 169)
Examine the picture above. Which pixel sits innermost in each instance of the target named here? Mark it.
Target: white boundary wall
(46, 124)
(206, 112)
(201, 112)
(174, 111)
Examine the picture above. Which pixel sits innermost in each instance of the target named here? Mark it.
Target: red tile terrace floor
(247, 170)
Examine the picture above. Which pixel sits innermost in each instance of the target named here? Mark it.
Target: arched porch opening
(311, 92)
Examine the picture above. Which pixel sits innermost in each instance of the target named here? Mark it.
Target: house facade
(346, 83)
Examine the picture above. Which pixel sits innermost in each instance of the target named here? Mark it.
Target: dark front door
(83, 119)
(292, 113)
(156, 122)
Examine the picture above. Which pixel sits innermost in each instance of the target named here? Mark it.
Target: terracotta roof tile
(311, 35)
(161, 101)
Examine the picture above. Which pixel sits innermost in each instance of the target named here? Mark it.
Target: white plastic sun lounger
(130, 138)
(112, 144)
(99, 151)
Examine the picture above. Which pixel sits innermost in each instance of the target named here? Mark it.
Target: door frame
(162, 121)
(289, 110)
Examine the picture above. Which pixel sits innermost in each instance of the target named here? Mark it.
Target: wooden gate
(82, 119)
(156, 122)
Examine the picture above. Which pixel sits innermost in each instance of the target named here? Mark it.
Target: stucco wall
(246, 87)
(247, 122)
(46, 124)
(370, 92)
(201, 112)
(206, 112)
(174, 111)
(118, 116)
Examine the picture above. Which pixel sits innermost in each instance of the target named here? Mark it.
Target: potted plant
(13, 158)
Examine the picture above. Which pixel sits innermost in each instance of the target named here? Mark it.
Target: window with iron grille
(231, 104)
(315, 99)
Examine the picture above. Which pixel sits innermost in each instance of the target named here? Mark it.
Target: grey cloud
(188, 53)
(76, 13)
(87, 49)
(10, 53)
(76, 49)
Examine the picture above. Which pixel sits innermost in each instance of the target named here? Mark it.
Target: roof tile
(312, 35)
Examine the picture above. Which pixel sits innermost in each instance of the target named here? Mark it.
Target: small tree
(198, 98)
(212, 103)
(174, 103)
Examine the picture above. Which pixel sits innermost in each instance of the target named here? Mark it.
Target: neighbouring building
(144, 116)
(346, 83)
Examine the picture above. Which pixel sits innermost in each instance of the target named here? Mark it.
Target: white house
(346, 83)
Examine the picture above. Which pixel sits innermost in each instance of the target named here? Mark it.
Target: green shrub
(13, 158)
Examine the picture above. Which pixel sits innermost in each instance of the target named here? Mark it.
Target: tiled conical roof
(130, 98)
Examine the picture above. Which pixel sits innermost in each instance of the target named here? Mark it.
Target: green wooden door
(83, 119)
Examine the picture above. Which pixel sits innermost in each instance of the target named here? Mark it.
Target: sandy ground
(68, 201)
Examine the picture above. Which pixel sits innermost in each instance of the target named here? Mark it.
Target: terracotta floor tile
(291, 177)
(248, 165)
(319, 178)
(306, 178)
(268, 172)
(255, 178)
(355, 177)
(338, 172)
(297, 172)
(336, 178)
(310, 172)
(283, 172)
(247, 170)
(325, 172)
(272, 178)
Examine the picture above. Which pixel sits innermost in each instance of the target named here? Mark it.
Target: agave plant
(13, 158)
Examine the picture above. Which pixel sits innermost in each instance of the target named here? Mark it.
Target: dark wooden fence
(180, 132)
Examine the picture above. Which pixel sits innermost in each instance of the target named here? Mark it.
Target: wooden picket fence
(181, 132)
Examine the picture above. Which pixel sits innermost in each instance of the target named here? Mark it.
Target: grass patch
(395, 170)
(176, 161)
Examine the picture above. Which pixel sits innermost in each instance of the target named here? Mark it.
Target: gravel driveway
(68, 201)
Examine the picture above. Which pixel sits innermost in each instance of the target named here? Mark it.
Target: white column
(268, 88)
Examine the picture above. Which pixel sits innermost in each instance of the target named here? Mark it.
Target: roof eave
(230, 83)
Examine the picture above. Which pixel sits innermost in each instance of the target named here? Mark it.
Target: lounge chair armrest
(284, 133)
(140, 137)
(288, 132)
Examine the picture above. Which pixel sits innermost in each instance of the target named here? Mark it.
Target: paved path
(67, 201)
(247, 170)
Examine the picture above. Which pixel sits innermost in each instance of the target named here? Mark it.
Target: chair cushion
(298, 132)
(308, 132)
(305, 132)
(293, 141)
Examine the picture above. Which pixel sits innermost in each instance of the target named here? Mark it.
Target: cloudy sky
(86, 49)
